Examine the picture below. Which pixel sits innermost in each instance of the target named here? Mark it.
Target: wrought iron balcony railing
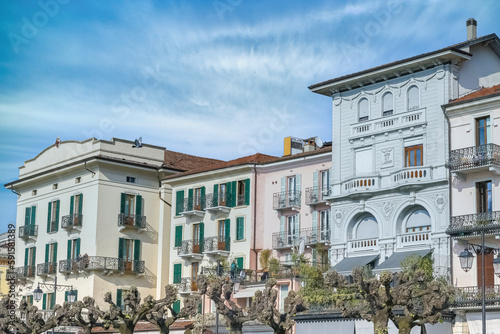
(221, 200)
(189, 247)
(73, 220)
(25, 272)
(474, 157)
(317, 195)
(101, 263)
(28, 231)
(214, 244)
(474, 224)
(48, 268)
(194, 204)
(130, 220)
(314, 235)
(285, 240)
(240, 200)
(471, 296)
(187, 285)
(286, 199)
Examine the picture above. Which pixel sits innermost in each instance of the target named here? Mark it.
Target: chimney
(471, 29)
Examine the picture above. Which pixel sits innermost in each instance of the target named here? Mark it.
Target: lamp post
(38, 292)
(467, 258)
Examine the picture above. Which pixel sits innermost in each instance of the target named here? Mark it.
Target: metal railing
(187, 284)
(193, 204)
(28, 231)
(286, 199)
(130, 220)
(314, 235)
(316, 195)
(189, 247)
(48, 268)
(475, 156)
(473, 224)
(285, 240)
(240, 200)
(72, 220)
(101, 263)
(25, 272)
(53, 226)
(472, 296)
(223, 200)
(213, 244)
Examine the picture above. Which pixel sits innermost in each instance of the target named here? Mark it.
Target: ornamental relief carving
(338, 215)
(439, 201)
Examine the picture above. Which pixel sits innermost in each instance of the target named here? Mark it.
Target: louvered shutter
(215, 200)
(69, 249)
(234, 194)
(33, 215)
(58, 202)
(27, 217)
(177, 273)
(190, 200)
(179, 202)
(247, 191)
(122, 202)
(47, 248)
(72, 205)
(49, 217)
(227, 234)
(202, 237)
(119, 298)
(178, 236)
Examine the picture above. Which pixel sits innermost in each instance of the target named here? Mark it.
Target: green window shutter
(33, 215)
(138, 205)
(52, 300)
(179, 203)
(122, 202)
(30, 300)
(80, 204)
(227, 234)
(283, 184)
(228, 195)
(57, 215)
(282, 224)
(234, 194)
(240, 228)
(203, 199)
(77, 246)
(315, 228)
(215, 200)
(119, 298)
(47, 247)
(55, 253)
(190, 200)
(49, 217)
(71, 205)
(202, 237)
(33, 256)
(137, 250)
(316, 185)
(298, 178)
(176, 306)
(178, 236)
(69, 249)
(199, 308)
(247, 191)
(44, 301)
(239, 262)
(120, 248)
(27, 217)
(26, 256)
(177, 273)
(76, 294)
(66, 296)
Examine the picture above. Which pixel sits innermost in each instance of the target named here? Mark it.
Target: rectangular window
(73, 248)
(178, 236)
(325, 182)
(414, 156)
(77, 204)
(48, 301)
(483, 135)
(54, 186)
(131, 211)
(78, 179)
(324, 221)
(30, 216)
(53, 217)
(129, 204)
(290, 229)
(194, 274)
(129, 254)
(484, 197)
(197, 199)
(198, 235)
(221, 234)
(222, 194)
(177, 273)
(130, 179)
(283, 295)
(33, 192)
(364, 161)
(240, 228)
(243, 192)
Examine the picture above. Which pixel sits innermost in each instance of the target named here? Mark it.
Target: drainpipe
(255, 216)
(449, 189)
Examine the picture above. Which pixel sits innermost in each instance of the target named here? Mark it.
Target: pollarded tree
(84, 314)
(158, 315)
(219, 290)
(266, 303)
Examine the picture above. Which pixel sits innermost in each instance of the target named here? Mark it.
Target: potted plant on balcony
(264, 257)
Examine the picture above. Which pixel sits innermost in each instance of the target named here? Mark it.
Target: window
(240, 228)
(367, 228)
(30, 216)
(78, 179)
(387, 104)
(418, 221)
(178, 236)
(54, 186)
(283, 295)
(29, 299)
(33, 192)
(130, 179)
(120, 294)
(177, 273)
(224, 234)
(53, 217)
(291, 229)
(129, 254)
(198, 238)
(222, 195)
(413, 98)
(324, 225)
(73, 251)
(197, 199)
(131, 211)
(48, 301)
(483, 132)
(414, 156)
(51, 258)
(29, 261)
(363, 110)
(364, 161)
(484, 197)
(194, 274)
(243, 192)
(291, 185)
(325, 183)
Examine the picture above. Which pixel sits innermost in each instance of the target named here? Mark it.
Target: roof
(393, 263)
(303, 154)
(484, 92)
(186, 162)
(347, 264)
(455, 48)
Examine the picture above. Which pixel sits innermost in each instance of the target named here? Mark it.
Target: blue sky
(221, 79)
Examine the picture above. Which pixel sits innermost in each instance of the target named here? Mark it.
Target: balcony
(475, 224)
(45, 269)
(190, 250)
(287, 200)
(217, 246)
(361, 187)
(414, 238)
(126, 220)
(317, 195)
(108, 265)
(282, 240)
(471, 296)
(73, 221)
(388, 123)
(475, 159)
(25, 273)
(221, 202)
(187, 286)
(411, 177)
(192, 208)
(363, 245)
(28, 232)
(314, 235)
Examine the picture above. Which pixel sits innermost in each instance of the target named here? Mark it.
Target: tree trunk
(126, 329)
(236, 328)
(164, 329)
(380, 321)
(404, 324)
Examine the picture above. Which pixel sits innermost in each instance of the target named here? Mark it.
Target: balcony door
(197, 199)
(483, 132)
(291, 187)
(325, 183)
(194, 274)
(324, 226)
(221, 235)
(222, 194)
(489, 272)
(290, 229)
(128, 254)
(484, 197)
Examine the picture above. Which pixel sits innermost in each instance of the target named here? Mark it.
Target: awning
(474, 320)
(326, 327)
(393, 263)
(248, 292)
(346, 266)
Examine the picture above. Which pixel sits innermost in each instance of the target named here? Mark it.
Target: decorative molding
(338, 216)
(439, 201)
(387, 208)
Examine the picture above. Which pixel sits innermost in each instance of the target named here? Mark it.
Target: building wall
(480, 71)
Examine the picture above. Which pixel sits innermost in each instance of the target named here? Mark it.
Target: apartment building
(89, 215)
(474, 163)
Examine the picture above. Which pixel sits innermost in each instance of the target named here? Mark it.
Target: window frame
(367, 117)
(387, 112)
(414, 149)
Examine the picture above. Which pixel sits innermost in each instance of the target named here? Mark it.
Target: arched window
(418, 221)
(367, 228)
(387, 104)
(413, 98)
(363, 111)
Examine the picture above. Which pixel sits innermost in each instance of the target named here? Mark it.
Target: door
(325, 183)
(290, 229)
(489, 273)
(222, 195)
(197, 199)
(194, 275)
(484, 197)
(196, 238)
(129, 210)
(128, 256)
(221, 235)
(291, 187)
(324, 226)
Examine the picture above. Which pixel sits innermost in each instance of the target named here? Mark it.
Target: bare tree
(219, 290)
(266, 302)
(84, 314)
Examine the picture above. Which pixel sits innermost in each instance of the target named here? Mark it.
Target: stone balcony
(363, 245)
